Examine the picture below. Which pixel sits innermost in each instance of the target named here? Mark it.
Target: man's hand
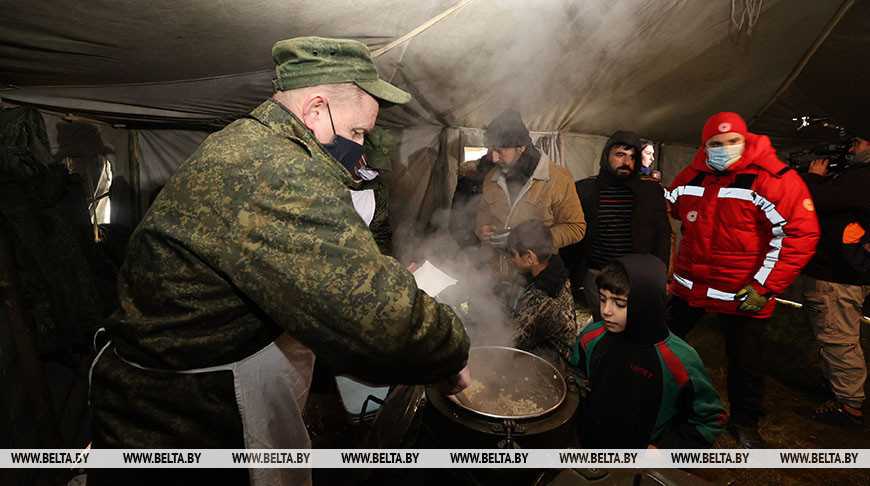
(820, 167)
(752, 300)
(456, 383)
(485, 232)
(468, 169)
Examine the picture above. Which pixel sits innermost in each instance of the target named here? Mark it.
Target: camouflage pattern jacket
(256, 234)
(544, 315)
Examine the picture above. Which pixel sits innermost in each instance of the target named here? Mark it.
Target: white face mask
(720, 158)
(366, 174)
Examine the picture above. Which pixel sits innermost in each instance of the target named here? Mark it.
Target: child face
(614, 310)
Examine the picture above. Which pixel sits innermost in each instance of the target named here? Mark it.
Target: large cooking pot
(480, 423)
(508, 383)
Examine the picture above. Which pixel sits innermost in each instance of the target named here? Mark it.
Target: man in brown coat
(524, 185)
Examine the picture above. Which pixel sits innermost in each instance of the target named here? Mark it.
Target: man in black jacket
(466, 200)
(835, 290)
(625, 214)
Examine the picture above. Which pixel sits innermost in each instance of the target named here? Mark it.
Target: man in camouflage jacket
(369, 174)
(255, 236)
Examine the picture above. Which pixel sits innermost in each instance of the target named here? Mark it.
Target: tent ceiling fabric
(99, 42)
(833, 84)
(659, 68)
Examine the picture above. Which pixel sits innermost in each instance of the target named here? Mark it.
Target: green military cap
(312, 61)
(379, 145)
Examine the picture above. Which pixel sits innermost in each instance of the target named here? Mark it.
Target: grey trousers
(835, 311)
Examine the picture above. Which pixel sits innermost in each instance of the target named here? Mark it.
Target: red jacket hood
(758, 151)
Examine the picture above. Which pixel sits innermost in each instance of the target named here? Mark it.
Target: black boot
(747, 436)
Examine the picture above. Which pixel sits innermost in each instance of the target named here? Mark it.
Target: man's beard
(619, 173)
(506, 169)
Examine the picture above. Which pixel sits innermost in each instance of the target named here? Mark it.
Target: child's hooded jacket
(647, 385)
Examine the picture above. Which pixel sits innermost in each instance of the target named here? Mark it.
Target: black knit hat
(507, 130)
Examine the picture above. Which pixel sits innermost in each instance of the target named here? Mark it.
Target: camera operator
(834, 290)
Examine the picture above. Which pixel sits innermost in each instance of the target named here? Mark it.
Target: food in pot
(507, 405)
(473, 389)
(501, 404)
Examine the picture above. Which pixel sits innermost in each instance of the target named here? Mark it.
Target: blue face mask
(720, 158)
(347, 152)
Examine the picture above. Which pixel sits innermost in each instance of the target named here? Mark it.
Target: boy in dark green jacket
(648, 387)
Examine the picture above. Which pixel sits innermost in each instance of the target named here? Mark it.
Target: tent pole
(415, 32)
(841, 12)
(134, 159)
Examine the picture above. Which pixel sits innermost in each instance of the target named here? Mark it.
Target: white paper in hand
(432, 280)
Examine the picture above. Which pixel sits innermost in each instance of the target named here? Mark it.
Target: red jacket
(754, 223)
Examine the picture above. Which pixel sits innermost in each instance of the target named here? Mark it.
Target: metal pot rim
(556, 372)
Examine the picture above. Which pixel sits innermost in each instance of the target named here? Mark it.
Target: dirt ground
(793, 388)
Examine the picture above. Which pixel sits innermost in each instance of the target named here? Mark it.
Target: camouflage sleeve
(537, 318)
(380, 225)
(301, 253)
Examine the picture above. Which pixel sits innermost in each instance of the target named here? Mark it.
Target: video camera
(837, 154)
